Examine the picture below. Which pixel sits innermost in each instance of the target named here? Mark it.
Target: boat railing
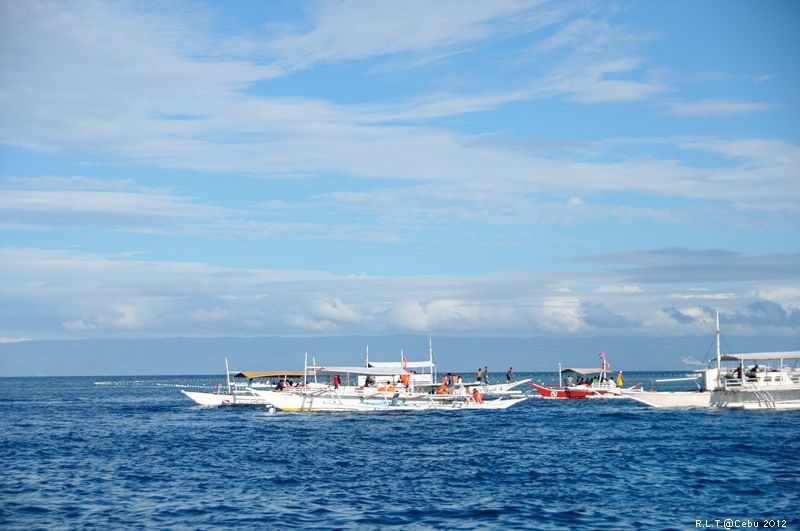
(769, 379)
(732, 383)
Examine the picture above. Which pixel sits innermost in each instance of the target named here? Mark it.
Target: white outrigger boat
(352, 398)
(236, 393)
(736, 387)
(380, 386)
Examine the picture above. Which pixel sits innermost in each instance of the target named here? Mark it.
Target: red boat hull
(561, 393)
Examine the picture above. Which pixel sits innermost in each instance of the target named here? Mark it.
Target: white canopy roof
(399, 365)
(752, 356)
(370, 371)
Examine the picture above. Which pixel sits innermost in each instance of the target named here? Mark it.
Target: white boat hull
(756, 398)
(332, 401)
(226, 399)
(679, 399)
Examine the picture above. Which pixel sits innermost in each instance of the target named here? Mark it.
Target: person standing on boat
(478, 375)
(509, 374)
(336, 381)
(486, 375)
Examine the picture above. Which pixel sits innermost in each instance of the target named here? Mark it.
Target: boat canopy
(272, 374)
(752, 356)
(399, 365)
(369, 371)
(586, 372)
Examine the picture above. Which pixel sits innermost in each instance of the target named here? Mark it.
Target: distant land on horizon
(202, 356)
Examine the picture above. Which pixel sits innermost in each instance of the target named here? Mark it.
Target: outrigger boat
(737, 386)
(379, 386)
(237, 393)
(370, 398)
(591, 383)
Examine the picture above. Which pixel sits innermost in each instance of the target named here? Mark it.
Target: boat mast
(719, 359)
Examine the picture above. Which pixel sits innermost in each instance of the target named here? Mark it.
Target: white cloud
(706, 108)
(334, 310)
(620, 289)
(13, 339)
(355, 29)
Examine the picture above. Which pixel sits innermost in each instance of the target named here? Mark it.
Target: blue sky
(505, 168)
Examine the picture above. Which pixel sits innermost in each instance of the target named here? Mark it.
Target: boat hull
(669, 400)
(331, 401)
(756, 398)
(226, 399)
(577, 392)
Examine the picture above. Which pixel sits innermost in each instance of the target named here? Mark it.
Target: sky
(455, 168)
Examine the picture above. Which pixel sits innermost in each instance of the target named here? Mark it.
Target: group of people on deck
(404, 381)
(483, 376)
(751, 373)
(589, 381)
(284, 384)
(448, 383)
(448, 387)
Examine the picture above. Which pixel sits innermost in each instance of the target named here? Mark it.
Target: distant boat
(599, 383)
(241, 388)
(759, 387)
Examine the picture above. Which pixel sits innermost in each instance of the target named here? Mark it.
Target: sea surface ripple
(134, 453)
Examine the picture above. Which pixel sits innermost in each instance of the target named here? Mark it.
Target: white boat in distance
(759, 387)
(235, 393)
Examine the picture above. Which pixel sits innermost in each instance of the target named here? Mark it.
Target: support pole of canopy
(430, 356)
(228, 375)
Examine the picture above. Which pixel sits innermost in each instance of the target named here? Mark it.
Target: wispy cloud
(701, 266)
(354, 29)
(717, 108)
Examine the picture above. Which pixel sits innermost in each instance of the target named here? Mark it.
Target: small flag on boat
(602, 355)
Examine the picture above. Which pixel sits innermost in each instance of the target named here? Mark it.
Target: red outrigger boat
(584, 383)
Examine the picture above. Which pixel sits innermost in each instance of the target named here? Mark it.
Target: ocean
(134, 453)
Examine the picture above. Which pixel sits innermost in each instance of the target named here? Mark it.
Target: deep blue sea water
(134, 453)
